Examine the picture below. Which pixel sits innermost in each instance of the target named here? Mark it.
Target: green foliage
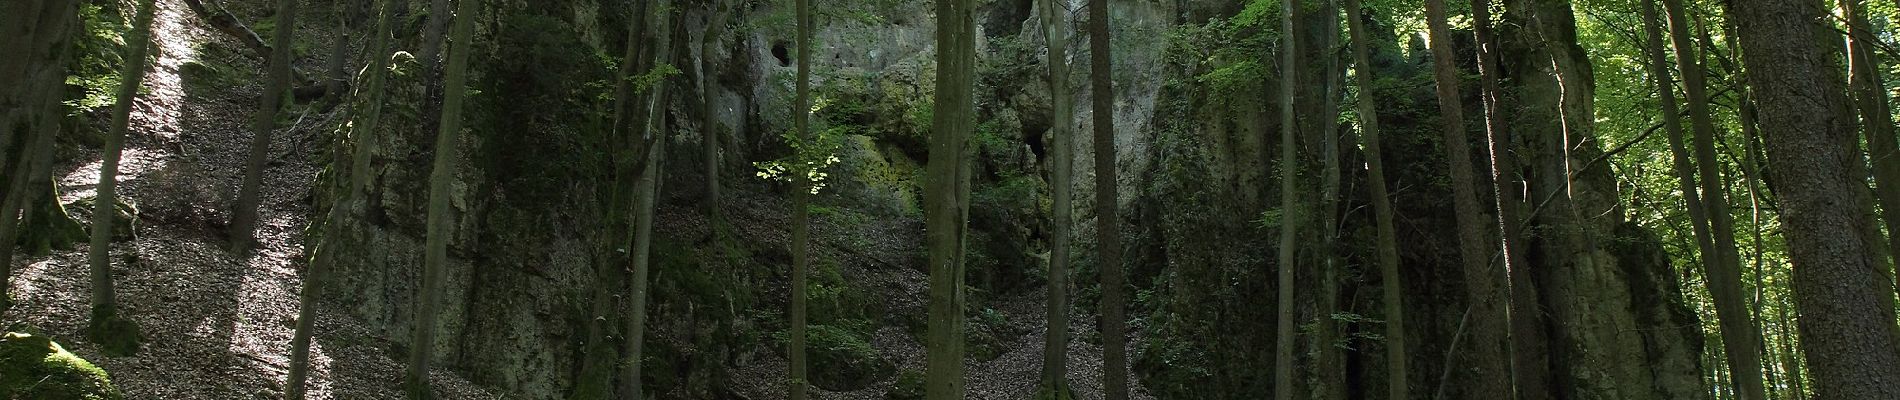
(34, 367)
(841, 359)
(836, 302)
(94, 75)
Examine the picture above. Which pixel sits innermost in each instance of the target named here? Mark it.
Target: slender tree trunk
(1061, 181)
(1289, 207)
(107, 327)
(339, 49)
(1790, 360)
(436, 252)
(646, 192)
(709, 125)
(325, 258)
(1398, 384)
(1740, 336)
(801, 207)
(1699, 217)
(1847, 324)
(1870, 97)
(946, 216)
(1107, 207)
(244, 218)
(1328, 361)
(1530, 355)
(1487, 362)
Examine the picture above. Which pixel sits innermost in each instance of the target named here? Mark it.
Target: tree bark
(1055, 347)
(1114, 323)
(1487, 362)
(244, 218)
(325, 256)
(1398, 384)
(946, 210)
(1870, 98)
(1529, 350)
(1741, 339)
(35, 75)
(801, 207)
(107, 328)
(436, 250)
(1288, 257)
(1847, 326)
(646, 192)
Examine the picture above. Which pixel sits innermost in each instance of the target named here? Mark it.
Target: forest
(949, 199)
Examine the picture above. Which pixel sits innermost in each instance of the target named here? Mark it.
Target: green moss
(116, 335)
(909, 386)
(34, 367)
(842, 360)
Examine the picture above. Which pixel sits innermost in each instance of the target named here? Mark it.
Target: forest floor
(217, 325)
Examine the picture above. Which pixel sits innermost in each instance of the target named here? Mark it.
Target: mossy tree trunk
(369, 114)
(38, 36)
(646, 191)
(946, 194)
(107, 328)
(1055, 381)
(436, 246)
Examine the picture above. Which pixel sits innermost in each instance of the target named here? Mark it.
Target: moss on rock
(34, 367)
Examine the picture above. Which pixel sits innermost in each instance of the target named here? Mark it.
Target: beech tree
(947, 193)
(1397, 375)
(801, 207)
(244, 217)
(107, 327)
(1107, 208)
(436, 250)
(645, 191)
(1055, 381)
(1289, 207)
(367, 116)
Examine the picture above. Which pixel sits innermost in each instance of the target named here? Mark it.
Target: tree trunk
(244, 217)
(1289, 208)
(801, 207)
(646, 192)
(325, 256)
(1487, 361)
(1740, 337)
(946, 212)
(1398, 384)
(436, 252)
(1055, 381)
(1114, 323)
(107, 328)
(1328, 361)
(1847, 326)
(1530, 355)
(339, 50)
(1870, 98)
(35, 76)
(709, 131)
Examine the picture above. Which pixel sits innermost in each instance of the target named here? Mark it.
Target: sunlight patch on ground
(166, 85)
(266, 298)
(33, 281)
(135, 163)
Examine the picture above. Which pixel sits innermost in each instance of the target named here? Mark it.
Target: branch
(224, 21)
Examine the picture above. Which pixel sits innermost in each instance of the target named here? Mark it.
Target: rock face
(537, 257)
(34, 367)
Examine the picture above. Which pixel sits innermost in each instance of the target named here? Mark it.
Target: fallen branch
(224, 21)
